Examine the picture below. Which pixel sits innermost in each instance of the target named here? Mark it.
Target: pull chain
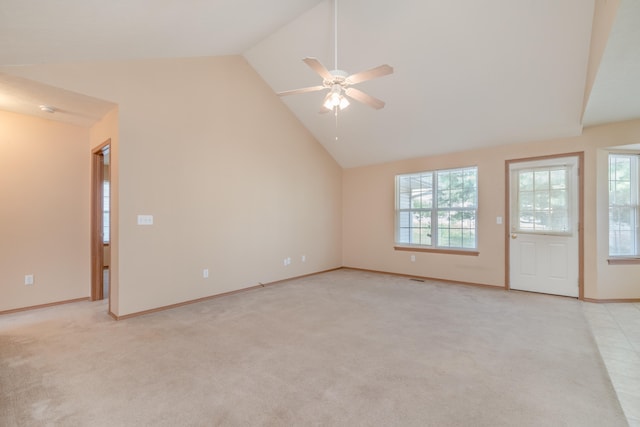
(336, 115)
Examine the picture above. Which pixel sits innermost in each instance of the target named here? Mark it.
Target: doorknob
(514, 235)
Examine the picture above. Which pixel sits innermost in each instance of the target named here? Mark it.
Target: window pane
(470, 188)
(543, 200)
(403, 235)
(456, 179)
(456, 229)
(444, 198)
(457, 198)
(559, 220)
(404, 192)
(403, 219)
(106, 233)
(443, 237)
(541, 221)
(525, 181)
(621, 192)
(526, 200)
(444, 180)
(455, 188)
(558, 179)
(541, 180)
(558, 199)
(623, 205)
(526, 220)
(469, 238)
(425, 235)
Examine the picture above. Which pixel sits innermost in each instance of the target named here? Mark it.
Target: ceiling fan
(339, 82)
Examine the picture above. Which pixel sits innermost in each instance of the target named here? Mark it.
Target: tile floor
(616, 328)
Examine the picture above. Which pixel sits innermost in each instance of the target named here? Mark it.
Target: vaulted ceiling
(467, 73)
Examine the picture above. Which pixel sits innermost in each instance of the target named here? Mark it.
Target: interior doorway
(545, 212)
(100, 221)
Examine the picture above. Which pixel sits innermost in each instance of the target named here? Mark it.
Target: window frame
(434, 210)
(634, 205)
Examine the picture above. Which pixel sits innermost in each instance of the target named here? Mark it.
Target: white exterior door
(543, 242)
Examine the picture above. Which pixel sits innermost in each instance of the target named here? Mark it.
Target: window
(623, 205)
(105, 212)
(543, 200)
(437, 209)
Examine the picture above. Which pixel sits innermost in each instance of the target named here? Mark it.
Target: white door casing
(544, 226)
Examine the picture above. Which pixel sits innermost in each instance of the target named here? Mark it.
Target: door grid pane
(543, 200)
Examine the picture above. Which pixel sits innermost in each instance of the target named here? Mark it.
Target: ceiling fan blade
(373, 73)
(318, 68)
(302, 90)
(360, 96)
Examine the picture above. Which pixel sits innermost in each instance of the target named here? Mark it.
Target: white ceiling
(467, 73)
(26, 96)
(616, 93)
(42, 31)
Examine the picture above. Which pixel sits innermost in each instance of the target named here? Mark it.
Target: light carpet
(345, 348)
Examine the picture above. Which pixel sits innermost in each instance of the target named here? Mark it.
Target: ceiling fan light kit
(335, 99)
(339, 82)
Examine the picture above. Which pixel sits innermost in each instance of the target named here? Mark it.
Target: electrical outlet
(303, 258)
(413, 258)
(28, 279)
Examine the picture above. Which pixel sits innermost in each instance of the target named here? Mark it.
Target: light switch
(145, 219)
(498, 220)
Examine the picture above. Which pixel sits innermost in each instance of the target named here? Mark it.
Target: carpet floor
(344, 348)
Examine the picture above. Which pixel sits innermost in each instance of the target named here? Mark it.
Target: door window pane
(543, 199)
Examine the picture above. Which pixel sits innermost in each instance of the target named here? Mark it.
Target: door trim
(97, 248)
(507, 240)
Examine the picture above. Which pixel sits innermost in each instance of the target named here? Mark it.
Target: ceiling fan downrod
(335, 34)
(339, 82)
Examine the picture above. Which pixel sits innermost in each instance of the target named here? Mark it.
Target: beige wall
(368, 214)
(234, 181)
(44, 211)
(236, 184)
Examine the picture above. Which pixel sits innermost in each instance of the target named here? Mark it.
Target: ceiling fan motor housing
(339, 77)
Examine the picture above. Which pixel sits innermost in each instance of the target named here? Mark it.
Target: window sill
(623, 261)
(468, 252)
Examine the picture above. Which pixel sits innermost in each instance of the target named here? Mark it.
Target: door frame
(507, 216)
(97, 244)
